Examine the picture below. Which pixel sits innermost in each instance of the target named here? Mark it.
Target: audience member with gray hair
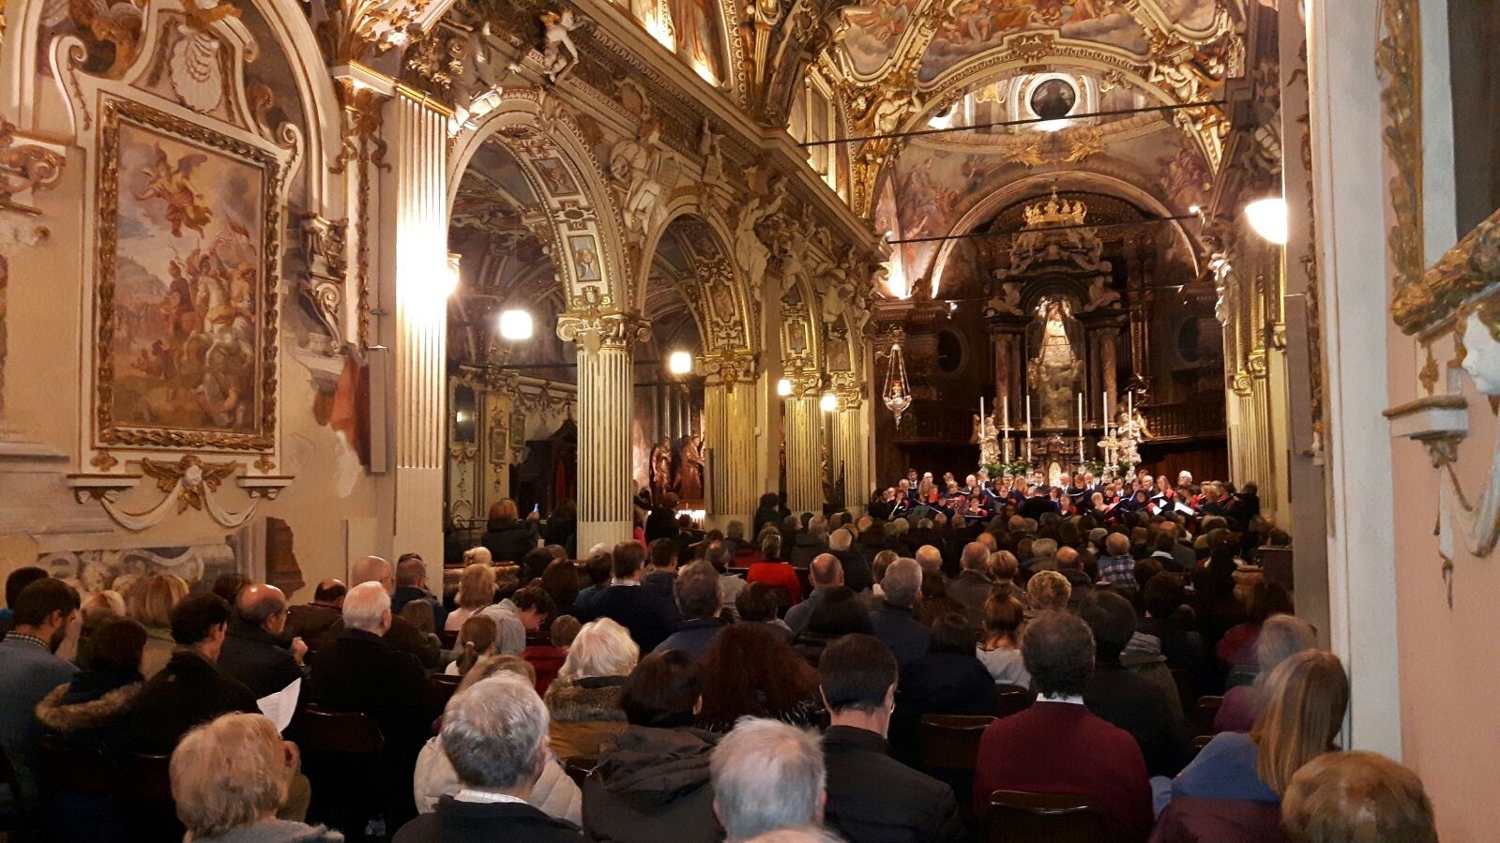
(1281, 637)
(399, 633)
(361, 671)
(894, 620)
(767, 775)
(1042, 551)
(495, 736)
(808, 543)
(585, 698)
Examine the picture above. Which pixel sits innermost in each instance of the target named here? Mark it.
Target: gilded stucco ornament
(1399, 58)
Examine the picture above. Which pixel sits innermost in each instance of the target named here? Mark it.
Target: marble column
(729, 413)
(804, 432)
(413, 249)
(606, 346)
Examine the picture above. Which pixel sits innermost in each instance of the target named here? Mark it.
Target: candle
(1104, 405)
(1130, 405)
(1006, 400)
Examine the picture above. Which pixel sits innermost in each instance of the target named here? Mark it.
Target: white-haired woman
(229, 778)
(476, 589)
(585, 698)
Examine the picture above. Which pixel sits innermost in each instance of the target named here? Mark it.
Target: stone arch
(1038, 183)
(575, 207)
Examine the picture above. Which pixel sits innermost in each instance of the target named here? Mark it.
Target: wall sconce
(1268, 218)
(680, 363)
(783, 387)
(515, 324)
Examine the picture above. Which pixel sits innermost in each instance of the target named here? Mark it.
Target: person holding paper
(253, 652)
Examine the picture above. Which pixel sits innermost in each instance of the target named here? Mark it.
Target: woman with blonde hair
(149, 602)
(1348, 797)
(476, 639)
(1303, 704)
(230, 777)
(585, 698)
(476, 590)
(1049, 591)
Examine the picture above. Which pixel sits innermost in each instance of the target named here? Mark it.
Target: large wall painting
(186, 300)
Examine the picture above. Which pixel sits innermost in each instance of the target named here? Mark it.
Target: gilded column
(851, 448)
(729, 415)
(414, 244)
(606, 346)
(804, 429)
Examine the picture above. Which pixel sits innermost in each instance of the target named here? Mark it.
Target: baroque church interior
(288, 285)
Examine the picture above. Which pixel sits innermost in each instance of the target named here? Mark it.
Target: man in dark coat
(873, 798)
(495, 736)
(318, 623)
(253, 652)
(191, 689)
(648, 617)
(411, 585)
(400, 633)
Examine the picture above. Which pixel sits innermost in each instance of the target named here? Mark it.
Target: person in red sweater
(773, 573)
(1057, 745)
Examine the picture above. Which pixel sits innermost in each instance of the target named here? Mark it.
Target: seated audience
(554, 793)
(652, 782)
(230, 779)
(149, 601)
(720, 554)
(1117, 567)
(947, 680)
(495, 736)
(29, 671)
(584, 701)
(1149, 711)
(14, 585)
(999, 650)
(560, 581)
(507, 536)
(894, 621)
(1281, 637)
(1168, 620)
(1304, 702)
(598, 567)
(871, 796)
(547, 659)
(757, 604)
(661, 572)
(808, 544)
(253, 652)
(1004, 569)
(841, 612)
(400, 634)
(857, 574)
(699, 603)
(316, 623)
(97, 609)
(1353, 797)
(775, 572)
(648, 617)
(766, 775)
(476, 591)
(411, 586)
(191, 689)
(824, 572)
(1048, 591)
(1236, 650)
(476, 640)
(973, 584)
(525, 611)
(1057, 745)
(750, 671)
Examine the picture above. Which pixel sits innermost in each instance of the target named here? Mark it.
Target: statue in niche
(713, 156)
(1101, 296)
(661, 467)
(690, 469)
(1055, 372)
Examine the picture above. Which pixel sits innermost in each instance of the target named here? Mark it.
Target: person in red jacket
(774, 573)
(1057, 745)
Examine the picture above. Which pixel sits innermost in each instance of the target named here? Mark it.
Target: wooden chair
(1197, 746)
(145, 792)
(783, 597)
(1010, 699)
(950, 741)
(21, 825)
(344, 758)
(1203, 714)
(449, 638)
(579, 768)
(1187, 688)
(1019, 817)
(65, 767)
(443, 688)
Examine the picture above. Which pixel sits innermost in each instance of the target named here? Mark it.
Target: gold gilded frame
(108, 433)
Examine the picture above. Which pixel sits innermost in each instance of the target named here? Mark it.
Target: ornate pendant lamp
(897, 395)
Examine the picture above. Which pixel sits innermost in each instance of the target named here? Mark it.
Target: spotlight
(515, 325)
(680, 363)
(1268, 218)
(829, 402)
(783, 387)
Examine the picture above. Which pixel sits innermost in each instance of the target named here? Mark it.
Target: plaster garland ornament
(188, 483)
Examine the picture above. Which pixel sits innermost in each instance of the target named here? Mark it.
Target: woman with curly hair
(749, 670)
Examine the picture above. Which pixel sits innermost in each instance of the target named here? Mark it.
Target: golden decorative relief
(24, 168)
(194, 476)
(1466, 269)
(1429, 373)
(1399, 57)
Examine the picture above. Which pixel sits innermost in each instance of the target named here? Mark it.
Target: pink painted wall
(1449, 658)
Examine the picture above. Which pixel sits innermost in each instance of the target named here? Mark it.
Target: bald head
(411, 572)
(1118, 544)
(263, 606)
(367, 607)
(826, 571)
(975, 557)
(1067, 559)
(373, 569)
(330, 593)
(930, 558)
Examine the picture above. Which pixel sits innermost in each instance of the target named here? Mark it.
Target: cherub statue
(560, 53)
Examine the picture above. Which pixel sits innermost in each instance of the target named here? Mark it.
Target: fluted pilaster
(804, 464)
(729, 413)
(851, 449)
(606, 345)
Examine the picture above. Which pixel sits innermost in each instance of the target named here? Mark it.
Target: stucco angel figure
(752, 254)
(887, 115)
(636, 163)
(560, 54)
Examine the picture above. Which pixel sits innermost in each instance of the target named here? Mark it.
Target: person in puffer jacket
(554, 793)
(652, 782)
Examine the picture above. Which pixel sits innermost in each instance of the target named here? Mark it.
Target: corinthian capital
(595, 330)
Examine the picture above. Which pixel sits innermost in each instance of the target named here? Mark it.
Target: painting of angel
(181, 339)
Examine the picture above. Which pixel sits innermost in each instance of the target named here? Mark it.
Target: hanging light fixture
(829, 402)
(515, 324)
(783, 387)
(897, 393)
(1268, 218)
(680, 363)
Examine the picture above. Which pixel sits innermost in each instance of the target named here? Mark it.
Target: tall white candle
(1104, 405)
(1130, 405)
(1005, 400)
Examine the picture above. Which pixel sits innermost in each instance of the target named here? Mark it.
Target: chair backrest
(146, 778)
(1020, 817)
(1203, 714)
(1187, 690)
(444, 686)
(448, 638)
(951, 741)
(326, 732)
(1010, 699)
(78, 769)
